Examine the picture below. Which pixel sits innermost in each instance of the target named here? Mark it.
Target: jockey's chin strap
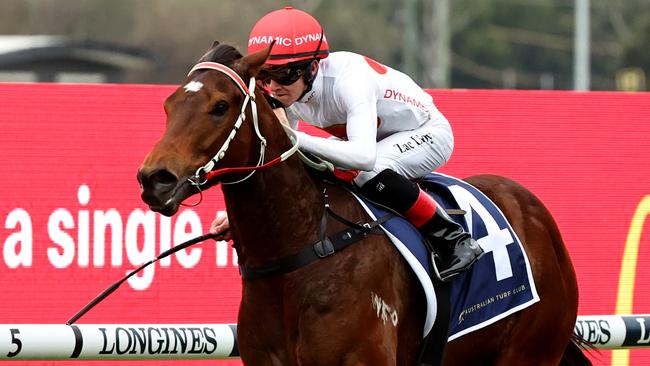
(207, 172)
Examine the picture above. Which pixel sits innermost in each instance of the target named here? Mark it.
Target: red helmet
(298, 36)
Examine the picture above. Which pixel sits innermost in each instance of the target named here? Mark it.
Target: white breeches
(413, 153)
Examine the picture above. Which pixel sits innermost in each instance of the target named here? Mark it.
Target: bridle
(320, 249)
(206, 172)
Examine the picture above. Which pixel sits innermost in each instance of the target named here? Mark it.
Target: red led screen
(73, 223)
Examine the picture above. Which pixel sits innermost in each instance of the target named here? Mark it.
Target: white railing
(615, 331)
(117, 342)
(218, 341)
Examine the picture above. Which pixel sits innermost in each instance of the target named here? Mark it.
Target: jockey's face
(287, 82)
(287, 94)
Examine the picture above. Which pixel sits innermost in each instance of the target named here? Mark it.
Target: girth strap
(320, 249)
(309, 254)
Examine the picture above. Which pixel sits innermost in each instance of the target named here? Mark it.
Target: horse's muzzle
(158, 190)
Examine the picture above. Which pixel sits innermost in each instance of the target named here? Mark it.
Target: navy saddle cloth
(499, 283)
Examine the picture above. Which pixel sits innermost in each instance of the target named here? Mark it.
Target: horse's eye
(219, 109)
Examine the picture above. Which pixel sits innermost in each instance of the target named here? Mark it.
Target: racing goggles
(284, 75)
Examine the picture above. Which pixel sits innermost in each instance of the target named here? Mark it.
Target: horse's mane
(222, 53)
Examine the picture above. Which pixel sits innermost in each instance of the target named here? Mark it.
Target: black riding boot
(454, 249)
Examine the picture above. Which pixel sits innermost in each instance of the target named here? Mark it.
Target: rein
(320, 249)
(104, 294)
(207, 172)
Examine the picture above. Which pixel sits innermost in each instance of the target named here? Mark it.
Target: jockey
(385, 127)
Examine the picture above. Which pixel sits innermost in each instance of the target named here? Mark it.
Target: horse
(222, 130)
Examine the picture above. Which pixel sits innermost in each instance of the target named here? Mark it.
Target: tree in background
(528, 44)
(524, 44)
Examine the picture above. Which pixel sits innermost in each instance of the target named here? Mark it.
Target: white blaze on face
(193, 86)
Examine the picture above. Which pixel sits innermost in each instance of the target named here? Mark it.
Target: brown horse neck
(277, 210)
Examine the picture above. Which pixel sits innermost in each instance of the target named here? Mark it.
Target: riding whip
(117, 284)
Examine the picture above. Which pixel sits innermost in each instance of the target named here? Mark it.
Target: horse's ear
(208, 53)
(250, 65)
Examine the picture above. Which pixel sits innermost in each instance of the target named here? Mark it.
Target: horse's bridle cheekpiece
(207, 172)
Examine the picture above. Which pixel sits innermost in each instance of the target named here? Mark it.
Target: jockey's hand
(346, 175)
(268, 95)
(221, 227)
(282, 116)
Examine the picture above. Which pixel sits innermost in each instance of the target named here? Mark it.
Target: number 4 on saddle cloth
(497, 285)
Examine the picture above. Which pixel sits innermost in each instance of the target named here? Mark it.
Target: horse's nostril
(162, 177)
(157, 180)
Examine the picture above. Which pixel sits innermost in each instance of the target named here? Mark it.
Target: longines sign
(117, 342)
